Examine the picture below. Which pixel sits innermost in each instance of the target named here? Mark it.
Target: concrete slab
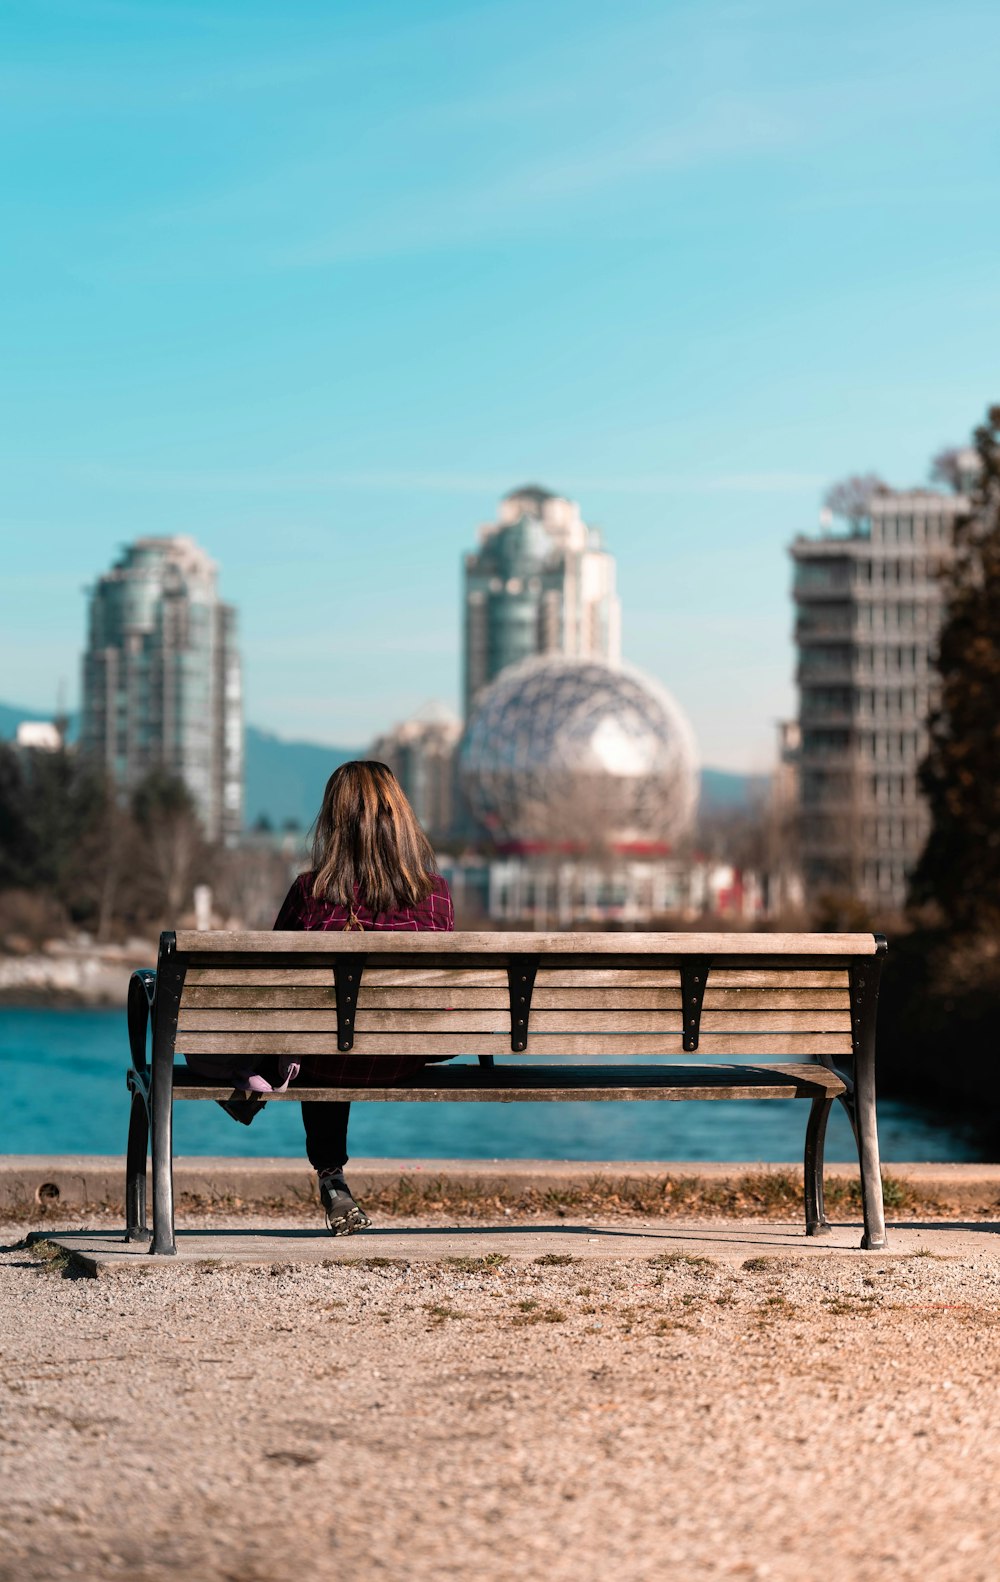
(727, 1242)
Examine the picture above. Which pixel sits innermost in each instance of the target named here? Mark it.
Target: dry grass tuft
(487, 1263)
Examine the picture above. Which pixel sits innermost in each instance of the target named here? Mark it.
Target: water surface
(63, 1084)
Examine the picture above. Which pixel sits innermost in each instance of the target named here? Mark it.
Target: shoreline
(72, 975)
(49, 1188)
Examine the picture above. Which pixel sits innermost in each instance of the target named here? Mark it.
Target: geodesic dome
(577, 753)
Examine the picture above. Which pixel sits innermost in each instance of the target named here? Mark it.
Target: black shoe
(242, 1108)
(343, 1216)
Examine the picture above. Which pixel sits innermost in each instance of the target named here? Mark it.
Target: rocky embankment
(72, 972)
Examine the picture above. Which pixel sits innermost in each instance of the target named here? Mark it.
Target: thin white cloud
(321, 481)
(536, 193)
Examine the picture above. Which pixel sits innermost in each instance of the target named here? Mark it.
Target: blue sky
(316, 283)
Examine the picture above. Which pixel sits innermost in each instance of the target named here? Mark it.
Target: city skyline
(450, 699)
(315, 287)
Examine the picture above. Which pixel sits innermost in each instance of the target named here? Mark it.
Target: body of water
(63, 1086)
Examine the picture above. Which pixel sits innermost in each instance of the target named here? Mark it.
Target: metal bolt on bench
(793, 1015)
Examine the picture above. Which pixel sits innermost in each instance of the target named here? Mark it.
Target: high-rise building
(868, 610)
(421, 754)
(162, 684)
(540, 583)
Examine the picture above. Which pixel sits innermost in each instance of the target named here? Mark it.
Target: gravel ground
(488, 1419)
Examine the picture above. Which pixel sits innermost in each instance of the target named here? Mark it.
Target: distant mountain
(285, 780)
(723, 791)
(11, 717)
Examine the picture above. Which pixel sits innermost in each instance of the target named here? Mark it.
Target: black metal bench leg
(136, 1228)
(817, 1223)
(169, 984)
(864, 980)
(866, 1127)
(162, 1120)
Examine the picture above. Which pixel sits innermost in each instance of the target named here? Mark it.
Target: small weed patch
(766, 1265)
(55, 1260)
(531, 1313)
(680, 1260)
(555, 1260)
(779, 1305)
(439, 1313)
(401, 1265)
(488, 1262)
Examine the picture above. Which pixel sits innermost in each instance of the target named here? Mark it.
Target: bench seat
(520, 1082)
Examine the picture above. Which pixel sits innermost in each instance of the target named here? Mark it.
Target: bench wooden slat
(498, 1021)
(807, 977)
(459, 959)
(418, 944)
(253, 975)
(547, 1045)
(317, 998)
(522, 1083)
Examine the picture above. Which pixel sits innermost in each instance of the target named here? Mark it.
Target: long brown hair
(367, 835)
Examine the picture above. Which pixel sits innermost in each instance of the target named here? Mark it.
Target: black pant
(326, 1134)
(325, 1124)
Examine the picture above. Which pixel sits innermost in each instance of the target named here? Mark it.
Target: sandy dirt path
(473, 1419)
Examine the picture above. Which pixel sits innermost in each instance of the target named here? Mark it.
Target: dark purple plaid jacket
(301, 910)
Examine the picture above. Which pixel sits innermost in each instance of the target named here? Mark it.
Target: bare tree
(950, 467)
(851, 497)
(175, 852)
(251, 883)
(112, 850)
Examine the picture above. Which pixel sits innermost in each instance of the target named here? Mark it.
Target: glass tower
(162, 683)
(540, 583)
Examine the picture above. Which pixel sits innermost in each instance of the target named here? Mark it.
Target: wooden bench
(547, 1016)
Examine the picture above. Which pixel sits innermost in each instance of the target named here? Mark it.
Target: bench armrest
(141, 998)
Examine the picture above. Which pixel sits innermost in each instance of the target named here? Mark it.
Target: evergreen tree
(960, 866)
(18, 846)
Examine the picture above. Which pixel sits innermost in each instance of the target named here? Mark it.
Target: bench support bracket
(521, 972)
(694, 976)
(347, 972)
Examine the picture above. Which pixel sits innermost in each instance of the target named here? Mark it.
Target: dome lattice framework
(579, 754)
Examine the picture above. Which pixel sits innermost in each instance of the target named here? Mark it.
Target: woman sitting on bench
(373, 868)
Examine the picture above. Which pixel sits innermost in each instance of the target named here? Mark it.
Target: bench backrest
(757, 996)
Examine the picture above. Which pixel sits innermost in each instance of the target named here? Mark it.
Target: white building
(869, 604)
(40, 736)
